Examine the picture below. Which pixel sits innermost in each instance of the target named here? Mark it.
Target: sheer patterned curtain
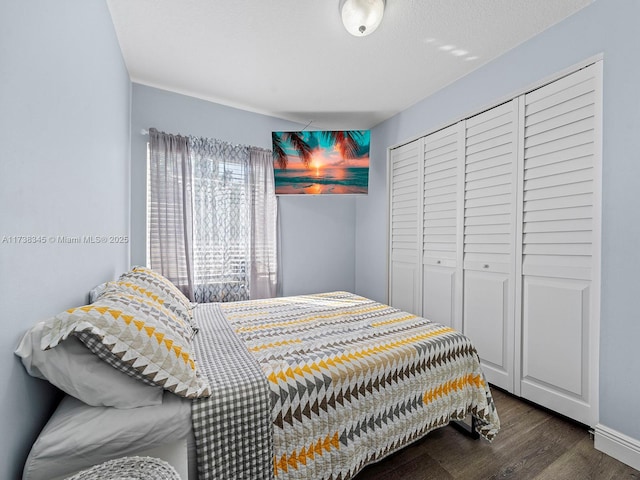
(170, 209)
(264, 217)
(221, 220)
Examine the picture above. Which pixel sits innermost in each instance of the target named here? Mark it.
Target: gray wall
(64, 170)
(317, 233)
(608, 27)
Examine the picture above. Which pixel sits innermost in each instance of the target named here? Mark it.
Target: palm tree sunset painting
(321, 162)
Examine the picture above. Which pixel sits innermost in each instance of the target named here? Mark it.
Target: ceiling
(293, 59)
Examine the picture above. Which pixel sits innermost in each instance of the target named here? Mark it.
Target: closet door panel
(486, 320)
(555, 317)
(560, 230)
(404, 294)
(441, 222)
(557, 364)
(440, 197)
(405, 203)
(438, 299)
(489, 239)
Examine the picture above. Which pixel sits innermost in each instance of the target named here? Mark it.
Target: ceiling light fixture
(361, 17)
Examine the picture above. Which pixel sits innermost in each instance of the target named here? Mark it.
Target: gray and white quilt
(315, 387)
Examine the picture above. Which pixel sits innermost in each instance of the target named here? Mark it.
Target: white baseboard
(618, 445)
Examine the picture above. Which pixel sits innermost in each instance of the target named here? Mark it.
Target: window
(211, 217)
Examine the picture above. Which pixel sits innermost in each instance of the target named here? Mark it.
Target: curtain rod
(145, 132)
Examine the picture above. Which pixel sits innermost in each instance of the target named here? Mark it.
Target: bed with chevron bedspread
(315, 387)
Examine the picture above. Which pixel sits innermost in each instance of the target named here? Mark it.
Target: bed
(307, 387)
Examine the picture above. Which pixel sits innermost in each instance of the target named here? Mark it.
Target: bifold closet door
(495, 230)
(441, 292)
(405, 201)
(490, 212)
(560, 222)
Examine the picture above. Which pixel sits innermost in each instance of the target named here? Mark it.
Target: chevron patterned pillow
(182, 317)
(134, 335)
(163, 287)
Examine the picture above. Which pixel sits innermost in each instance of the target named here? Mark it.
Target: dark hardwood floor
(532, 444)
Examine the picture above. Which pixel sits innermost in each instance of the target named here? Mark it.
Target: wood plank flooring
(532, 444)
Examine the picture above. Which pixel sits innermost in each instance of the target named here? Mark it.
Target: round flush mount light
(361, 17)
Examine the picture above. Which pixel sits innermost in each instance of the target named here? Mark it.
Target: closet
(494, 230)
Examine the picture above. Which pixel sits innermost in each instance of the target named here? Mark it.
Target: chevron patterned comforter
(350, 380)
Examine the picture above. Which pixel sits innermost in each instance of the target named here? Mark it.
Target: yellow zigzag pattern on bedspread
(353, 380)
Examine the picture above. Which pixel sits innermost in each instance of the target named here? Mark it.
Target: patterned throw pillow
(181, 318)
(133, 335)
(161, 286)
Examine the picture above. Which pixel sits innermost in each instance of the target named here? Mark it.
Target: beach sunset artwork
(321, 162)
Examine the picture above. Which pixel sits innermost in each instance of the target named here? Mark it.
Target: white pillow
(74, 369)
(78, 436)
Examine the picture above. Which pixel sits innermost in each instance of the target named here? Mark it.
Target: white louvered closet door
(443, 182)
(490, 212)
(405, 199)
(560, 232)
